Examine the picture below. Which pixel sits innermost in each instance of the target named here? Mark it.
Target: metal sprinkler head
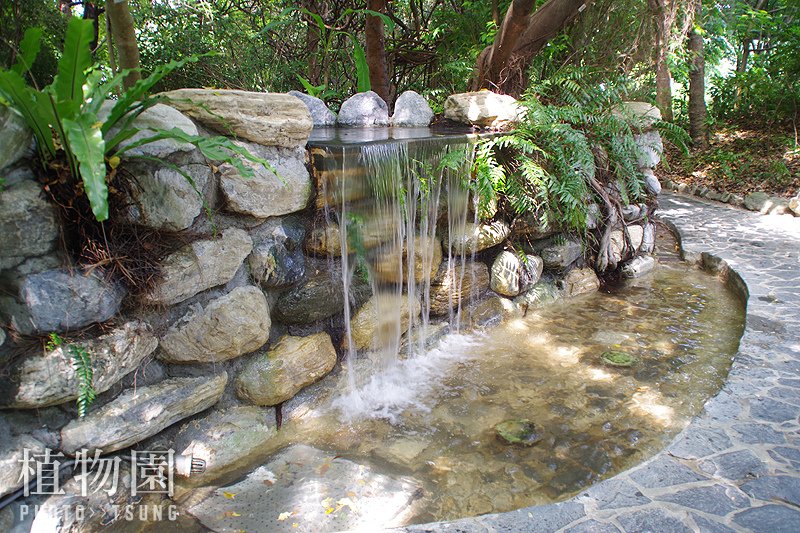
(186, 465)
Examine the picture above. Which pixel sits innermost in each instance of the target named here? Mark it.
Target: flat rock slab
(271, 119)
(304, 489)
(137, 414)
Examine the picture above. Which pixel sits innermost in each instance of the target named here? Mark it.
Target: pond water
(423, 446)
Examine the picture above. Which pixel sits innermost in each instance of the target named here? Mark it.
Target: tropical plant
(82, 363)
(78, 128)
(571, 149)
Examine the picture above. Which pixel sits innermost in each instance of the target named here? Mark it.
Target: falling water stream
(404, 432)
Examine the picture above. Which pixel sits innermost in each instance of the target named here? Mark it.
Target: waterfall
(396, 205)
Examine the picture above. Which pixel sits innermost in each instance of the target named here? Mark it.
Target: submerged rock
(139, 413)
(518, 432)
(291, 364)
(321, 116)
(284, 188)
(638, 266)
(200, 266)
(457, 284)
(51, 378)
(298, 480)
(229, 326)
(364, 109)
(270, 119)
(477, 237)
(412, 110)
(483, 108)
(618, 358)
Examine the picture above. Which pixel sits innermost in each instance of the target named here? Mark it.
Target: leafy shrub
(69, 124)
(568, 153)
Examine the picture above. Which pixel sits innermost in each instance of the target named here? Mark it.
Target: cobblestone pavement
(736, 467)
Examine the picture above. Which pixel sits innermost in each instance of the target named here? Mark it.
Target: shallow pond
(426, 428)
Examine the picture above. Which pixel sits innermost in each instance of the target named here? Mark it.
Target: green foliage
(547, 166)
(82, 363)
(68, 122)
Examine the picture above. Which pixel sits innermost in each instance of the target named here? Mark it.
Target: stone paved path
(737, 466)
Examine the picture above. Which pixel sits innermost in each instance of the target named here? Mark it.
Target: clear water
(431, 416)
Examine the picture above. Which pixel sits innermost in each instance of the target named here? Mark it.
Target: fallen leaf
(231, 514)
(229, 495)
(324, 468)
(284, 516)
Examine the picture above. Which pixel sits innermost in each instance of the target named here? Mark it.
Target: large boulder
(321, 116)
(457, 285)
(411, 110)
(51, 379)
(277, 260)
(506, 270)
(151, 121)
(651, 183)
(364, 109)
(271, 119)
(318, 298)
(640, 115)
(291, 364)
(200, 266)
(226, 440)
(483, 108)
(282, 189)
(139, 413)
(392, 266)
(28, 223)
(474, 238)
(163, 198)
(229, 326)
(638, 266)
(15, 137)
(64, 299)
(648, 239)
(559, 253)
(382, 320)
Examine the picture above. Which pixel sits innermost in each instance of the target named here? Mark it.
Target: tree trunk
(698, 129)
(376, 51)
(92, 12)
(503, 65)
(125, 38)
(661, 44)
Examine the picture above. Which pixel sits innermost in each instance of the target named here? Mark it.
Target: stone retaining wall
(247, 311)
